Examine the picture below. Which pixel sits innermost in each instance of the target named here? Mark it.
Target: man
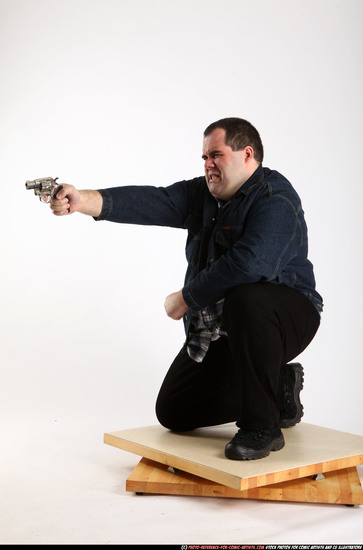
(249, 302)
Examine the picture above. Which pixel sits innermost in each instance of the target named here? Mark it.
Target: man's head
(232, 151)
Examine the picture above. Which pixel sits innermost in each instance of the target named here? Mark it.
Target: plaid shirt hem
(205, 328)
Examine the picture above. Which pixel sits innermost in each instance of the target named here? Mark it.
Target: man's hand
(175, 306)
(69, 200)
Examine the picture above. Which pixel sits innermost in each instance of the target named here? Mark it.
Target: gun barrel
(33, 184)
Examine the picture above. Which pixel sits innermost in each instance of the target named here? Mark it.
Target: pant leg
(199, 394)
(267, 325)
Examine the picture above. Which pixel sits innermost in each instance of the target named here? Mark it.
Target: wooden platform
(342, 487)
(309, 450)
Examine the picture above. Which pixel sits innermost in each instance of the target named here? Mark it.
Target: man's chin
(217, 194)
(215, 189)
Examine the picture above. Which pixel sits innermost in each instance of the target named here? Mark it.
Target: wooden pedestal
(202, 470)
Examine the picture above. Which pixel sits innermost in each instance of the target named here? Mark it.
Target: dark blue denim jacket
(259, 235)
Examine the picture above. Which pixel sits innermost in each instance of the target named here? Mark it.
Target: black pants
(268, 325)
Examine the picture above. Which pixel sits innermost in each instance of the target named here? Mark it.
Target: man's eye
(212, 156)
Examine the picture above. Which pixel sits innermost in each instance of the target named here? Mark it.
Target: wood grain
(342, 487)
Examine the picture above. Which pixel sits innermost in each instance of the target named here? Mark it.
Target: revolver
(45, 188)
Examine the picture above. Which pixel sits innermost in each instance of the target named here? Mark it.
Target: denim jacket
(259, 235)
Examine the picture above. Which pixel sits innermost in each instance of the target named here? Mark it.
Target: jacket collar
(255, 178)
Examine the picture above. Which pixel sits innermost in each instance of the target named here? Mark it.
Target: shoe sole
(253, 454)
(298, 386)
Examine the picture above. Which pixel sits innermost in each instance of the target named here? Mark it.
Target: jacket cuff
(189, 300)
(107, 205)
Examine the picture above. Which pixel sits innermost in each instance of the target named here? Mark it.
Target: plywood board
(309, 450)
(342, 487)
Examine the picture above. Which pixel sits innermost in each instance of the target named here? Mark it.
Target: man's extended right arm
(70, 200)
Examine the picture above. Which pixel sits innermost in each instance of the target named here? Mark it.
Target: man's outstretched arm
(70, 200)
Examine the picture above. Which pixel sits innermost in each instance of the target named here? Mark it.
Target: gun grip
(56, 193)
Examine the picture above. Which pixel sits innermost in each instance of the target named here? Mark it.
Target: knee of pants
(169, 416)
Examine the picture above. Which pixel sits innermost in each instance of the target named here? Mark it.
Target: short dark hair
(239, 134)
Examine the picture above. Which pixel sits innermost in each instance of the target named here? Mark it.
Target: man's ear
(248, 153)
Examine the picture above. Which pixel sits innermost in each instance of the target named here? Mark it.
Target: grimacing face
(225, 170)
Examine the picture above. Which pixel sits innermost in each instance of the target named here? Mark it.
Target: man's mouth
(214, 176)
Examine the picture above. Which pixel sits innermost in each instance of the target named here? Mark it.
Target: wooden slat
(309, 450)
(342, 487)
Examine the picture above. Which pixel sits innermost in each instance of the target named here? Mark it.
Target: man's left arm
(271, 239)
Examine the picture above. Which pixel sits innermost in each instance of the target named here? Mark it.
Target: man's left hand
(175, 306)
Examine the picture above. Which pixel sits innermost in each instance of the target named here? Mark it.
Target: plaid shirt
(205, 327)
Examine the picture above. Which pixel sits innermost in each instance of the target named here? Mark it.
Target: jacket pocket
(228, 235)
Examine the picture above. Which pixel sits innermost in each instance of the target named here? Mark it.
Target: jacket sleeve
(147, 205)
(272, 237)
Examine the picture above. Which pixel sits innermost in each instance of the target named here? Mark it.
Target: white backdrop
(113, 92)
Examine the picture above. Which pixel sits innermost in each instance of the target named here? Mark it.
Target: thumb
(60, 193)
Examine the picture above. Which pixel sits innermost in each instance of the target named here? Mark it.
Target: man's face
(225, 170)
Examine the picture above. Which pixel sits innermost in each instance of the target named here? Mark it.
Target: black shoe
(291, 384)
(252, 444)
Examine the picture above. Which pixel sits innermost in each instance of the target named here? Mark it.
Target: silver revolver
(45, 188)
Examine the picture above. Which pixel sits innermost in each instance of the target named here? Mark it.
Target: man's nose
(209, 163)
